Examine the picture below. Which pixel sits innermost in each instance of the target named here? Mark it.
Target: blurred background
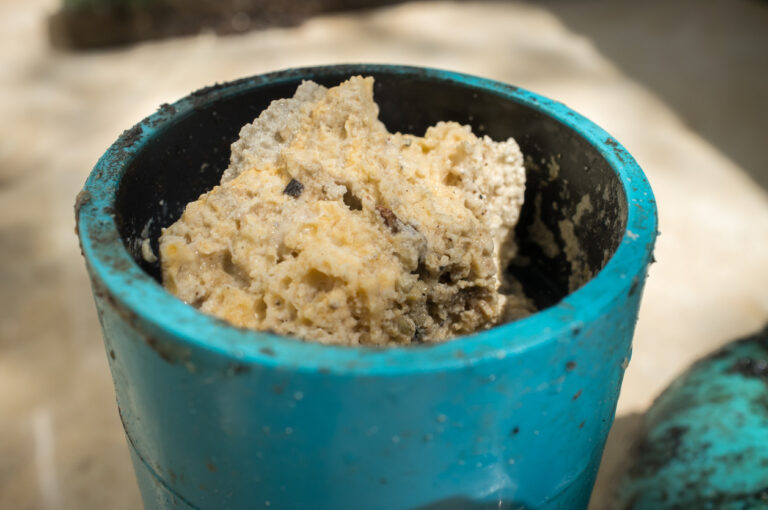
(682, 84)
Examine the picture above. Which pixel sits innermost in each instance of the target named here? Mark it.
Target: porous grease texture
(329, 228)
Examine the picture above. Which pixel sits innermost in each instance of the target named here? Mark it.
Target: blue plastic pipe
(221, 418)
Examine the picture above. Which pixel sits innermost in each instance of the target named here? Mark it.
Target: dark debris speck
(390, 219)
(751, 367)
(633, 287)
(130, 136)
(267, 351)
(167, 109)
(294, 188)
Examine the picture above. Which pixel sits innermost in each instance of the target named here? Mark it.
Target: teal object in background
(705, 443)
(514, 417)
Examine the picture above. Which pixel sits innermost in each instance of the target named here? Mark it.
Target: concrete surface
(686, 97)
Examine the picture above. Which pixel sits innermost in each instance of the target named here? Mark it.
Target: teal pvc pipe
(222, 418)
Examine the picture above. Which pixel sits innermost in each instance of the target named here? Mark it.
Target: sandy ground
(680, 84)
